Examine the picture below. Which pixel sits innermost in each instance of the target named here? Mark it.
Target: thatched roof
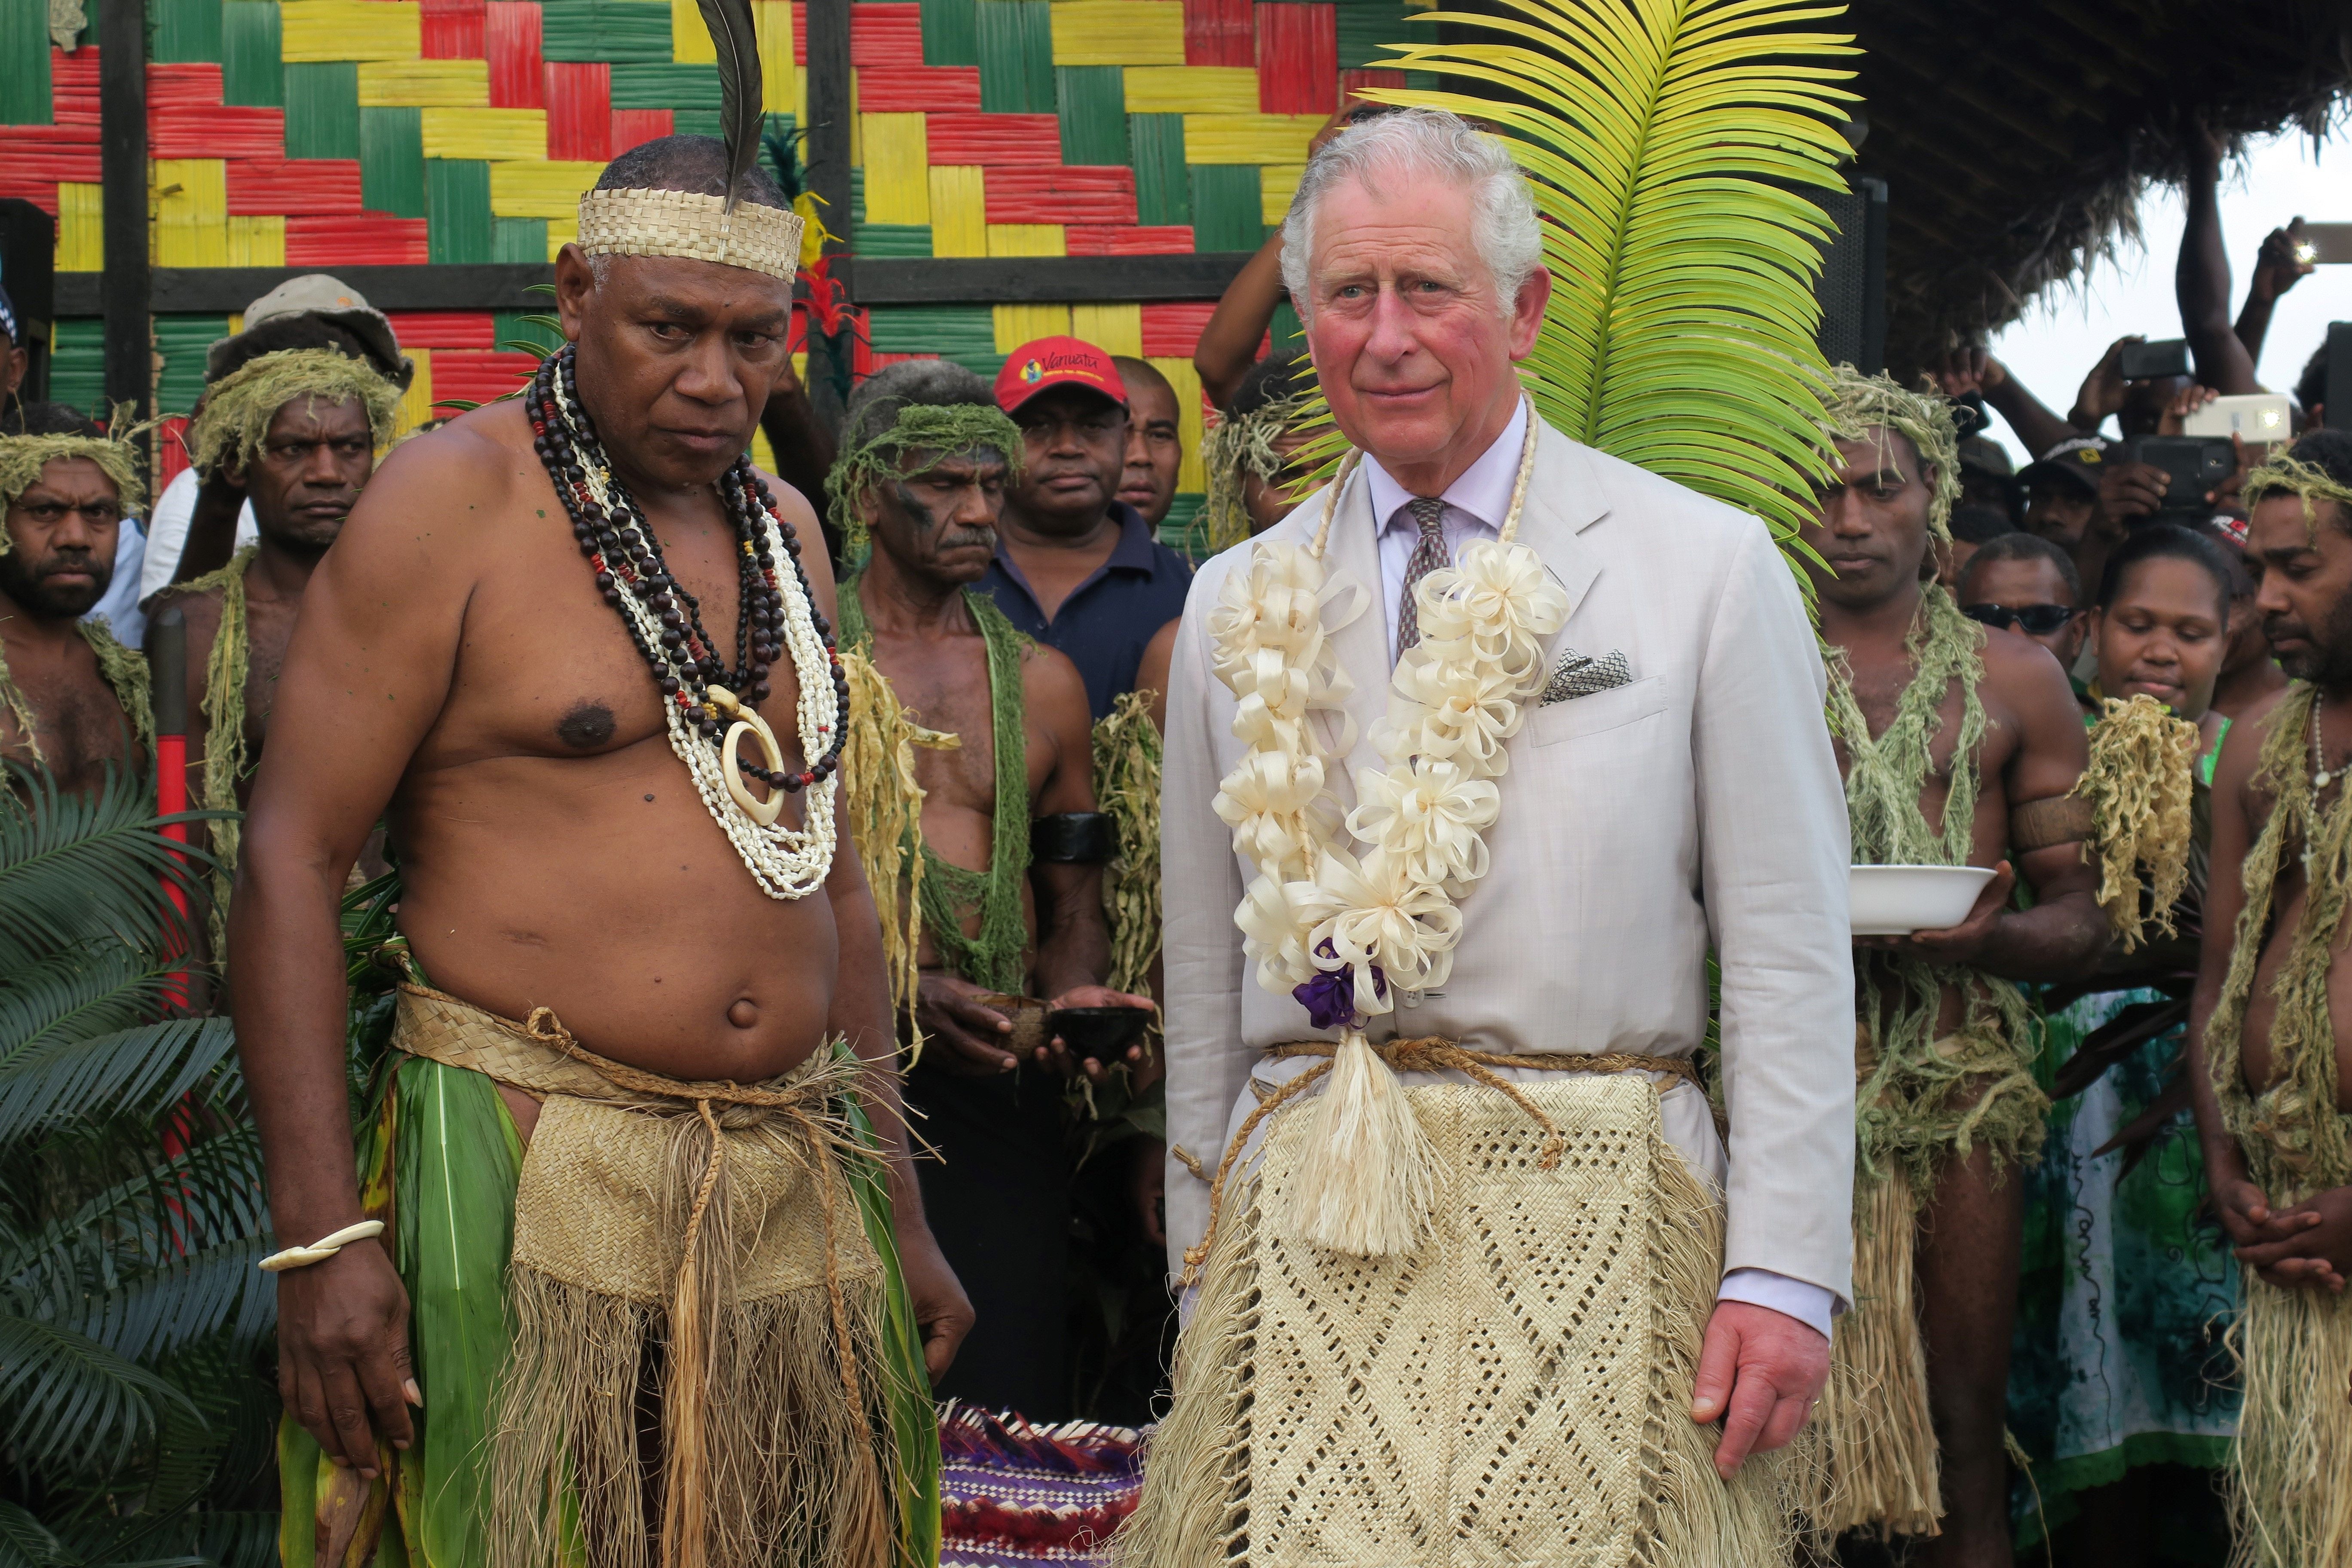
(2015, 136)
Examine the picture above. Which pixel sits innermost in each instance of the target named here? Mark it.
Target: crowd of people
(2056, 1256)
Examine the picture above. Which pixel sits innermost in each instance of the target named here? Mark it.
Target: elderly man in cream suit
(1671, 791)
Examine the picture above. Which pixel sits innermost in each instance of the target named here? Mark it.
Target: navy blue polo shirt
(1108, 619)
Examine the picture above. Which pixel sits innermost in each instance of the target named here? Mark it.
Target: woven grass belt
(1514, 1389)
(1431, 1053)
(705, 1227)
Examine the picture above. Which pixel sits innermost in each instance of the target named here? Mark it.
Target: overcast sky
(2061, 337)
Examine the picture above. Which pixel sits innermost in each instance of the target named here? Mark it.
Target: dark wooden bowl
(1102, 1033)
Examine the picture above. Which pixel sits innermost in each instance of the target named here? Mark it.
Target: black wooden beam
(828, 155)
(213, 291)
(121, 297)
(875, 280)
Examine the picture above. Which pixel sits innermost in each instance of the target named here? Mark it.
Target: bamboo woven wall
(319, 133)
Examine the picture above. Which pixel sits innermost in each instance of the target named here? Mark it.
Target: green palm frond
(75, 865)
(135, 1412)
(24, 1541)
(92, 989)
(142, 1070)
(1669, 143)
(70, 1402)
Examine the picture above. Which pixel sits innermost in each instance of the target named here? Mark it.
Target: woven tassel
(686, 1387)
(1365, 1182)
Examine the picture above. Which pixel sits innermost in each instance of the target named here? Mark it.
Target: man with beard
(296, 430)
(549, 649)
(1007, 857)
(2270, 1031)
(1958, 749)
(71, 698)
(1076, 568)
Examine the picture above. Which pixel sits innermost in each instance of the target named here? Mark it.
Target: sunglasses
(2033, 620)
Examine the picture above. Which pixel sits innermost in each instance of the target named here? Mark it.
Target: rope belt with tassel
(803, 1104)
(1433, 1053)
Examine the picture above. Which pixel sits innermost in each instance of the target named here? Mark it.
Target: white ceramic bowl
(1895, 901)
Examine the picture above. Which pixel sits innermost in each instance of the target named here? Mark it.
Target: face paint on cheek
(917, 512)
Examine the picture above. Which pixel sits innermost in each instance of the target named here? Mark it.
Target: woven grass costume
(720, 1253)
(124, 669)
(674, 1330)
(1277, 399)
(2291, 1504)
(1923, 1094)
(231, 428)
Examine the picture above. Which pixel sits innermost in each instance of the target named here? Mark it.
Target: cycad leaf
(140, 1070)
(67, 1401)
(24, 1543)
(1680, 334)
(79, 865)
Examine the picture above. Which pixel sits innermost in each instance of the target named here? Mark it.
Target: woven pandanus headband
(686, 223)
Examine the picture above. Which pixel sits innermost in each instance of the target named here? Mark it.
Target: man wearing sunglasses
(2024, 584)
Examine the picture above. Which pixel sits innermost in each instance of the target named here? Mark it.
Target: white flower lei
(1320, 905)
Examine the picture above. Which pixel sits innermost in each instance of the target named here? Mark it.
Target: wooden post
(122, 167)
(828, 177)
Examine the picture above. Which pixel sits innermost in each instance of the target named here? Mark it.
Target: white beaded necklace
(786, 863)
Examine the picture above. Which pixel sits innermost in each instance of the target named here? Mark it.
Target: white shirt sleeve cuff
(1808, 1303)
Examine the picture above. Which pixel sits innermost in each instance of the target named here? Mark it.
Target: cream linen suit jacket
(1697, 806)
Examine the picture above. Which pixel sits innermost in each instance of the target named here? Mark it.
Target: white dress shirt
(1475, 506)
(119, 609)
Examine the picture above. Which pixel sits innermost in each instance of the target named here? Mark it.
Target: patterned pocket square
(1581, 675)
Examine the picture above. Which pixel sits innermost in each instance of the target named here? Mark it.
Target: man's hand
(941, 1309)
(1759, 1373)
(2185, 402)
(2104, 389)
(949, 1012)
(1968, 370)
(343, 1366)
(2132, 489)
(2277, 268)
(1055, 1053)
(2316, 1251)
(1955, 944)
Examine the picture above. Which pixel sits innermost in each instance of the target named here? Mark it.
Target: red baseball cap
(1045, 362)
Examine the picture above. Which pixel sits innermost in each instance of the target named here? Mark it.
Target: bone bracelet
(318, 1251)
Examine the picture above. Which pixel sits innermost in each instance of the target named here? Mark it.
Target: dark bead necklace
(623, 553)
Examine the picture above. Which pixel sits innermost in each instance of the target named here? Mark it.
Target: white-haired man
(1495, 684)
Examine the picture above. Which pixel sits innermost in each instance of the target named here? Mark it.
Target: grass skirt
(1514, 1389)
(2291, 1501)
(564, 1310)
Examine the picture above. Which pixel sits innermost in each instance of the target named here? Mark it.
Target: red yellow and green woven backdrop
(318, 133)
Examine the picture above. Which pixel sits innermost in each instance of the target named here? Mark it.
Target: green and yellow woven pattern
(319, 133)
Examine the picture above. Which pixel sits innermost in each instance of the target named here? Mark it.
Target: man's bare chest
(1880, 695)
(946, 687)
(79, 722)
(546, 666)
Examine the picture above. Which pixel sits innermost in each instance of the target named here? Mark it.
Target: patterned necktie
(1428, 555)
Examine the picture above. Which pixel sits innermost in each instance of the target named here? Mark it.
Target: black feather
(735, 32)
